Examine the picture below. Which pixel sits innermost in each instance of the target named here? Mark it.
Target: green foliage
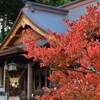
(52, 2)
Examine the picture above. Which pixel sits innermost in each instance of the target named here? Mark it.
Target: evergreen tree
(9, 10)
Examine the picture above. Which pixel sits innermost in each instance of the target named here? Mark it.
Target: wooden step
(14, 98)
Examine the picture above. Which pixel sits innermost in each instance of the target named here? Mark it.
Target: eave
(9, 35)
(11, 51)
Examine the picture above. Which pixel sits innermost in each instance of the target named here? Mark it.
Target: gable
(17, 39)
(15, 36)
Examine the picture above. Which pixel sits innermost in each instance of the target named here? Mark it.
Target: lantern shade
(12, 66)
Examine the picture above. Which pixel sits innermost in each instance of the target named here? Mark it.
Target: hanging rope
(22, 73)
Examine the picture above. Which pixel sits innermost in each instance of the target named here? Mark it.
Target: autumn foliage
(74, 58)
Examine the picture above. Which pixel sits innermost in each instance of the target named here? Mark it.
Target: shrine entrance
(17, 83)
(16, 80)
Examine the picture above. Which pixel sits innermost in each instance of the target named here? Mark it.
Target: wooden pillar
(1, 76)
(29, 82)
(4, 78)
(24, 87)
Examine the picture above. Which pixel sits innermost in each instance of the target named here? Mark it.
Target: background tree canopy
(9, 10)
(52, 2)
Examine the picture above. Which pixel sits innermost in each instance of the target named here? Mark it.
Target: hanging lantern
(12, 66)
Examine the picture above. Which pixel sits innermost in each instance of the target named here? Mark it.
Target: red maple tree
(74, 58)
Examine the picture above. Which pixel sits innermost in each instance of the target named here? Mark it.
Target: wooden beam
(7, 47)
(16, 35)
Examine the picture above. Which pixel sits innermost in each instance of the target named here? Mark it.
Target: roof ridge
(77, 3)
(70, 3)
(38, 6)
